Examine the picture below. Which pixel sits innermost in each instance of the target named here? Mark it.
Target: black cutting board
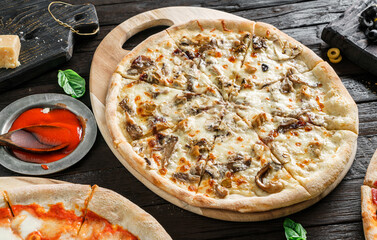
(345, 34)
(44, 43)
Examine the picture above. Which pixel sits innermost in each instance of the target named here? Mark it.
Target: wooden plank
(345, 34)
(44, 43)
(285, 16)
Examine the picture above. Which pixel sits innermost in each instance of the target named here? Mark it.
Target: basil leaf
(294, 231)
(72, 83)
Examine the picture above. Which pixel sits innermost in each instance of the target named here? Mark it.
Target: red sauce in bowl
(57, 117)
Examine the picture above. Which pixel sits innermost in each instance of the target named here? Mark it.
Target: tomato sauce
(56, 211)
(374, 196)
(56, 117)
(5, 213)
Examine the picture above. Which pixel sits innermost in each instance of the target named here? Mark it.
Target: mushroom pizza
(232, 115)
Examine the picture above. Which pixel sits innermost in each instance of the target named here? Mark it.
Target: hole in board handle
(141, 36)
(79, 16)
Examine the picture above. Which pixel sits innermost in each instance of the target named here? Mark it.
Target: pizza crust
(338, 101)
(242, 204)
(371, 175)
(368, 213)
(120, 211)
(73, 196)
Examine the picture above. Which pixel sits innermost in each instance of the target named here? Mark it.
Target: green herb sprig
(72, 83)
(293, 230)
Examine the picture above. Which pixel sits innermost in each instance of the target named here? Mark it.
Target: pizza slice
(179, 155)
(271, 54)
(145, 109)
(368, 211)
(109, 216)
(165, 64)
(5, 220)
(313, 155)
(318, 96)
(242, 169)
(48, 211)
(218, 47)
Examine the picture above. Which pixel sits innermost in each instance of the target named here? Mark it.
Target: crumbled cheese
(9, 51)
(46, 110)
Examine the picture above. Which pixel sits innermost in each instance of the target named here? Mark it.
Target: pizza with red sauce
(369, 200)
(72, 211)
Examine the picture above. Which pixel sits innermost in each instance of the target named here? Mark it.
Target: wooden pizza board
(107, 56)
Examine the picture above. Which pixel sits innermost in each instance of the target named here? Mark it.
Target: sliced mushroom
(259, 42)
(284, 50)
(198, 168)
(272, 186)
(141, 63)
(186, 177)
(259, 120)
(220, 191)
(150, 77)
(146, 108)
(167, 145)
(215, 171)
(190, 83)
(292, 75)
(183, 98)
(287, 124)
(125, 106)
(237, 166)
(159, 123)
(185, 41)
(286, 86)
(241, 46)
(201, 146)
(134, 130)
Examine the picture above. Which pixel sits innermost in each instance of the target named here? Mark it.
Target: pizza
(369, 200)
(231, 115)
(72, 211)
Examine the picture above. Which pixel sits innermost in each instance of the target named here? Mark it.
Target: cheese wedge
(10, 46)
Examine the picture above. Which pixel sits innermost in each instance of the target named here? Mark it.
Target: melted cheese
(25, 223)
(6, 233)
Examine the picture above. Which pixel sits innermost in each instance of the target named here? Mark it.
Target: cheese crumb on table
(10, 46)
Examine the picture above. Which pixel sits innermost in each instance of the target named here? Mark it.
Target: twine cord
(65, 24)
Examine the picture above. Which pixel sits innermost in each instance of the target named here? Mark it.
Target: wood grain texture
(44, 43)
(335, 217)
(345, 34)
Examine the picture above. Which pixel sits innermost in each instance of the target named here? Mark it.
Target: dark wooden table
(335, 217)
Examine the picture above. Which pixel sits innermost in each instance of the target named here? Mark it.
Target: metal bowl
(9, 114)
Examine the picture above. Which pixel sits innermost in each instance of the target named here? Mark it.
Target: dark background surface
(335, 217)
